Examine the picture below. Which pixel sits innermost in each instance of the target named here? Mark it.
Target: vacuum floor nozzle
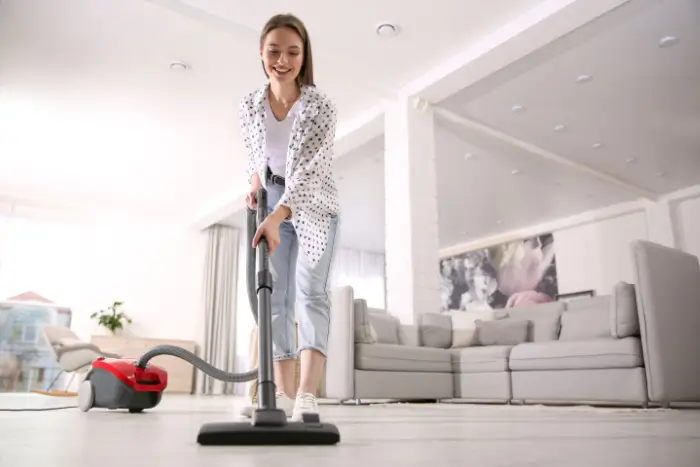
(245, 433)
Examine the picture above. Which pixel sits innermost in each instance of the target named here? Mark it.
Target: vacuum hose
(191, 358)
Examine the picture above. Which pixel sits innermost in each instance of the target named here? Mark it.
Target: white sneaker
(304, 403)
(282, 401)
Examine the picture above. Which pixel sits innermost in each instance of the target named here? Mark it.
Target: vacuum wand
(266, 378)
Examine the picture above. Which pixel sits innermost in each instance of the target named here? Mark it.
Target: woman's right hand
(251, 199)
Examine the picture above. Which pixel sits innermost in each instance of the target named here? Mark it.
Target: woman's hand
(251, 199)
(270, 228)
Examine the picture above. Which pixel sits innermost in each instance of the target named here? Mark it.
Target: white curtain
(364, 272)
(220, 284)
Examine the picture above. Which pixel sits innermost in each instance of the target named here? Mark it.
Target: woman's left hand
(270, 229)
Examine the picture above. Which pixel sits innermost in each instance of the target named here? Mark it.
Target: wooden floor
(372, 435)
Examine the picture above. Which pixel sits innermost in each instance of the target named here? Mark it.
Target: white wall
(154, 268)
(688, 218)
(597, 255)
(592, 249)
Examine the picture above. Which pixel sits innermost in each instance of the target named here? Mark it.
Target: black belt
(276, 179)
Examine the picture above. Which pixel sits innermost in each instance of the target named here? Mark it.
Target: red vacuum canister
(118, 383)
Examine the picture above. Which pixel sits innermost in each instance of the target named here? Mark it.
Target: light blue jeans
(298, 287)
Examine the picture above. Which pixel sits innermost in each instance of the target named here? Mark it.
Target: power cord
(40, 409)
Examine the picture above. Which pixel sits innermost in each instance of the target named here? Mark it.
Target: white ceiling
(642, 104)
(643, 101)
(91, 116)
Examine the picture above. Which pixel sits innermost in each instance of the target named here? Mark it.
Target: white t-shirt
(277, 139)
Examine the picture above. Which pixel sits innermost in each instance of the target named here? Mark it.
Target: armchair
(72, 354)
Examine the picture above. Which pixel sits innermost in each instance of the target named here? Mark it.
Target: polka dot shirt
(310, 189)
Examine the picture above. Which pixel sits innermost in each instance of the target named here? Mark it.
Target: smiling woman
(288, 127)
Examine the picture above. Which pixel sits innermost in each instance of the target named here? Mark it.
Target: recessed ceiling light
(469, 156)
(598, 145)
(584, 78)
(630, 160)
(387, 30)
(560, 128)
(668, 41)
(498, 222)
(517, 108)
(179, 67)
(514, 172)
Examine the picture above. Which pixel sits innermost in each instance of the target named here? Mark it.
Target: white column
(662, 226)
(410, 186)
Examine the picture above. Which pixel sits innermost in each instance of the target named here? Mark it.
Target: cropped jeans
(298, 290)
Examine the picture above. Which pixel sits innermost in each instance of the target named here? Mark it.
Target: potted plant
(113, 318)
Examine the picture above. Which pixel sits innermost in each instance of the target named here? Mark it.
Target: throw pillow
(435, 330)
(502, 331)
(364, 333)
(624, 317)
(464, 327)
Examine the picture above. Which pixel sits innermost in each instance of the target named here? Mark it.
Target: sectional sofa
(640, 345)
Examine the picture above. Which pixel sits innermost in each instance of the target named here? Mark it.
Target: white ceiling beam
(355, 75)
(543, 24)
(351, 135)
(447, 115)
(683, 194)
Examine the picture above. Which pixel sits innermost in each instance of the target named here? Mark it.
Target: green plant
(112, 318)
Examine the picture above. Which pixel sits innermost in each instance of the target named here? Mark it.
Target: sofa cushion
(624, 317)
(390, 357)
(502, 331)
(488, 359)
(435, 330)
(364, 333)
(545, 320)
(464, 326)
(386, 327)
(585, 324)
(577, 355)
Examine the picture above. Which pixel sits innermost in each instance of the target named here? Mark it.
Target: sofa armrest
(340, 364)
(668, 303)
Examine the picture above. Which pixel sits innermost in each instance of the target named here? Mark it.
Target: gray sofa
(636, 346)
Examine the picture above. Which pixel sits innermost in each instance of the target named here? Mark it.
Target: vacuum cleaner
(137, 385)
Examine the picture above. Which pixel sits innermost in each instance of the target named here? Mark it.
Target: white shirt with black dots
(311, 192)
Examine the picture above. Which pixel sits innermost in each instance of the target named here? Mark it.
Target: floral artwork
(514, 274)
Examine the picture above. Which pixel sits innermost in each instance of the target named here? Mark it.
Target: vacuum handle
(256, 264)
(263, 247)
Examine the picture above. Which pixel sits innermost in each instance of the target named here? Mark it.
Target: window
(29, 334)
(364, 272)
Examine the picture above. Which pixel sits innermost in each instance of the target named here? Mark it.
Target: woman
(289, 128)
